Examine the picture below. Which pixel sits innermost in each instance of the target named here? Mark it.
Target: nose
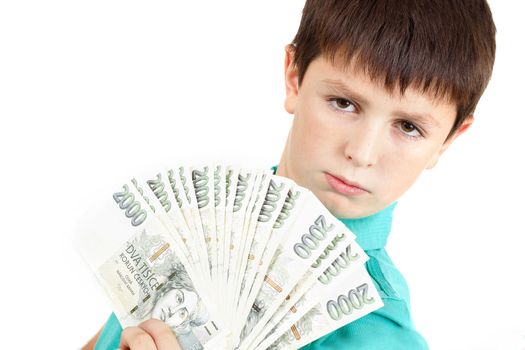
(363, 145)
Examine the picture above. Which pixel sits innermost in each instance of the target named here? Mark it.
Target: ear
(291, 79)
(464, 127)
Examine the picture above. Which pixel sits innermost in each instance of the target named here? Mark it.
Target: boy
(378, 90)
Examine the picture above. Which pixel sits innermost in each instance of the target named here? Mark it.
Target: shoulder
(388, 279)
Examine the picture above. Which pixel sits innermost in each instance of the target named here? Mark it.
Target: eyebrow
(339, 87)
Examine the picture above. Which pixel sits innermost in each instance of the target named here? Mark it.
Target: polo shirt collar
(372, 231)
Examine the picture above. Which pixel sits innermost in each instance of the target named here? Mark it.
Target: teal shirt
(389, 328)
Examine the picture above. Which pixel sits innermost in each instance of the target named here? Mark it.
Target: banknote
(274, 201)
(245, 185)
(343, 298)
(251, 219)
(138, 263)
(179, 185)
(193, 214)
(232, 178)
(310, 235)
(219, 185)
(291, 210)
(154, 192)
(229, 257)
(203, 184)
(341, 254)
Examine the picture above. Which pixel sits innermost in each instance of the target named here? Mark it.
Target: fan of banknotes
(228, 257)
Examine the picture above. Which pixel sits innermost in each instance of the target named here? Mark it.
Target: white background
(93, 92)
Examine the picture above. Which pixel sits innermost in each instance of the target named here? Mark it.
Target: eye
(183, 313)
(341, 104)
(410, 130)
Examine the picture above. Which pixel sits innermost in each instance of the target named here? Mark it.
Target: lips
(342, 185)
(349, 183)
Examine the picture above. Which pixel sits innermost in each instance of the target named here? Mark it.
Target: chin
(334, 203)
(343, 207)
(347, 214)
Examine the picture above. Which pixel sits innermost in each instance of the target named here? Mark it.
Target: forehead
(354, 80)
(352, 71)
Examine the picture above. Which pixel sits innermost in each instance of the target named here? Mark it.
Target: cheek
(401, 172)
(313, 134)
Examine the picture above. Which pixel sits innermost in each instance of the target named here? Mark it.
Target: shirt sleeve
(109, 338)
(390, 327)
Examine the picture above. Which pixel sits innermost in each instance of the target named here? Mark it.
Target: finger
(136, 338)
(161, 333)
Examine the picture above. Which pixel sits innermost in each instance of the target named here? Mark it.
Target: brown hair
(442, 46)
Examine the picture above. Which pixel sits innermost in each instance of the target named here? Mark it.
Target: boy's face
(379, 141)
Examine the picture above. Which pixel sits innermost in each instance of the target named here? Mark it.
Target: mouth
(343, 186)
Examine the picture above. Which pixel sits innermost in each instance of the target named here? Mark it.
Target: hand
(149, 335)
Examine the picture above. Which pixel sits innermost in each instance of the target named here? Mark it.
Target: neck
(282, 168)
